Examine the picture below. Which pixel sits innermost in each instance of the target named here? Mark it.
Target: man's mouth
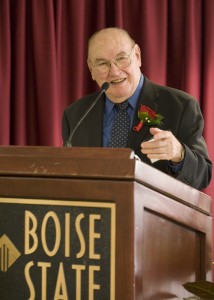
(116, 81)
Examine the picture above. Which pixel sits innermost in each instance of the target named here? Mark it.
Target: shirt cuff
(175, 168)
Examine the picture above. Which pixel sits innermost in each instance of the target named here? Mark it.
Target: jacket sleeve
(197, 168)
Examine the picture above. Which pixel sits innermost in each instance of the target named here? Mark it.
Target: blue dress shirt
(110, 111)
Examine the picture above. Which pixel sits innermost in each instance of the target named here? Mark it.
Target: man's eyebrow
(121, 53)
(100, 59)
(105, 59)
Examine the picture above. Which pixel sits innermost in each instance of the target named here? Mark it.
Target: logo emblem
(8, 253)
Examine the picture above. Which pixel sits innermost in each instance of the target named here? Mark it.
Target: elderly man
(162, 125)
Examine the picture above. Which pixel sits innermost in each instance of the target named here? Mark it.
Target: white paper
(153, 160)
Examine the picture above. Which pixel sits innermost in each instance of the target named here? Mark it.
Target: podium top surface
(95, 163)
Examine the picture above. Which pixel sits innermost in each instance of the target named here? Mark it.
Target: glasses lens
(103, 67)
(123, 61)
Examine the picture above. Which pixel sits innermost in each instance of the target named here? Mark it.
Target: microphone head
(105, 86)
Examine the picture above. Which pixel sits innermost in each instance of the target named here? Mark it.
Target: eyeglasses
(122, 61)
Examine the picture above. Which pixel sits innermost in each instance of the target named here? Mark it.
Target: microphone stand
(104, 87)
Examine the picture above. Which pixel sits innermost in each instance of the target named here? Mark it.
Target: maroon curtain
(43, 48)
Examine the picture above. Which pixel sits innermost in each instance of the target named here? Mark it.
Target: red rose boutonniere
(147, 117)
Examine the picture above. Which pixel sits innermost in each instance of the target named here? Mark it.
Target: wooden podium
(94, 223)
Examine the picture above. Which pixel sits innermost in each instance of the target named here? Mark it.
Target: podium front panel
(90, 224)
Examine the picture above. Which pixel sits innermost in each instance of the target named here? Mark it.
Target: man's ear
(90, 68)
(89, 65)
(138, 54)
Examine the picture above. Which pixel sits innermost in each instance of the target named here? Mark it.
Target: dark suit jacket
(182, 116)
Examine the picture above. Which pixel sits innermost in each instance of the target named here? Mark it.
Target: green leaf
(203, 289)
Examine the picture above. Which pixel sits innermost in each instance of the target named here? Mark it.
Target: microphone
(104, 87)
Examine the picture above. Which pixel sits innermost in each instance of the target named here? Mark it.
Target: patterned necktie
(121, 126)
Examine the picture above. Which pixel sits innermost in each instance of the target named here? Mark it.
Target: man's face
(114, 45)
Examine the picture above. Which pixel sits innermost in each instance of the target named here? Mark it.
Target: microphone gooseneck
(104, 87)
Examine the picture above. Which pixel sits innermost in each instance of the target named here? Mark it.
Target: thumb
(154, 130)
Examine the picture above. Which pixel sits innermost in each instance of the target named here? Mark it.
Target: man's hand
(164, 145)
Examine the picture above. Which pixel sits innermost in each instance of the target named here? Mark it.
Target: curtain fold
(5, 72)
(43, 52)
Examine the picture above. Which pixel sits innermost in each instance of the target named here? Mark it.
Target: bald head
(106, 34)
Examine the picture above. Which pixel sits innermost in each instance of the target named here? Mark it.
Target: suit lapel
(94, 124)
(148, 97)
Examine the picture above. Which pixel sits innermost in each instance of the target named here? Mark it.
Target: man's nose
(113, 67)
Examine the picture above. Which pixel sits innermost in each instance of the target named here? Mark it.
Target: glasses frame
(109, 62)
